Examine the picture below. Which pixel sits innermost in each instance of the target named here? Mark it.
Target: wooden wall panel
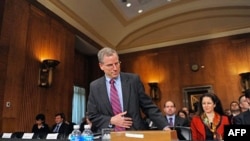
(4, 50)
(2, 3)
(14, 29)
(29, 35)
(52, 42)
(32, 37)
(223, 59)
(81, 67)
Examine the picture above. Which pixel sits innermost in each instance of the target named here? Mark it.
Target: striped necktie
(115, 102)
(171, 122)
(56, 129)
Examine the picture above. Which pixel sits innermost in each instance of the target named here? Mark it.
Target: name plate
(27, 135)
(6, 135)
(144, 136)
(52, 136)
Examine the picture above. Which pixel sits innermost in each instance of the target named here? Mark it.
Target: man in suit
(235, 110)
(131, 95)
(170, 111)
(244, 105)
(244, 117)
(174, 120)
(60, 126)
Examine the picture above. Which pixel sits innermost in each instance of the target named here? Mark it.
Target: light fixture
(46, 71)
(154, 91)
(140, 11)
(128, 4)
(245, 80)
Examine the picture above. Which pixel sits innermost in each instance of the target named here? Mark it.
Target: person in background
(244, 117)
(170, 111)
(174, 121)
(210, 121)
(184, 115)
(117, 99)
(227, 112)
(85, 120)
(244, 106)
(60, 126)
(186, 109)
(235, 110)
(69, 123)
(40, 128)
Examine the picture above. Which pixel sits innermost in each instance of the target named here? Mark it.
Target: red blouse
(199, 131)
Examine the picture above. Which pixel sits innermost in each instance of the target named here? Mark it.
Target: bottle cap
(86, 126)
(76, 126)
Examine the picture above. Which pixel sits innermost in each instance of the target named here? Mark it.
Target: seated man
(60, 126)
(174, 121)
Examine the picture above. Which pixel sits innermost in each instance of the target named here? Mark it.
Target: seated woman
(210, 121)
(184, 115)
(40, 128)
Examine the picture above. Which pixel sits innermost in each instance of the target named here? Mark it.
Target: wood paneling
(29, 36)
(4, 50)
(2, 3)
(223, 60)
(14, 29)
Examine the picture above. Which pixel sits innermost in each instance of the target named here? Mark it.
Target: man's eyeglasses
(112, 65)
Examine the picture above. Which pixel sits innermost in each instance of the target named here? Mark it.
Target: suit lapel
(104, 96)
(177, 120)
(125, 91)
(247, 117)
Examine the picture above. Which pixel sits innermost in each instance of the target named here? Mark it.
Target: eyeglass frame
(112, 65)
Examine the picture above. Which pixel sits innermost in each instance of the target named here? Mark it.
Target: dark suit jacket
(198, 128)
(42, 132)
(243, 118)
(178, 123)
(134, 101)
(64, 129)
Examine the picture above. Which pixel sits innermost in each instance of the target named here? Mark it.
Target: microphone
(178, 125)
(183, 132)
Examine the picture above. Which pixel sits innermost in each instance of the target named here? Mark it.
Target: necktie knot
(112, 81)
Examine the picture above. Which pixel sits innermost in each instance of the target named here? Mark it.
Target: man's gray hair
(106, 51)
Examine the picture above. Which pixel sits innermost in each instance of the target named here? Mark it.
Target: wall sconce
(45, 72)
(154, 91)
(245, 80)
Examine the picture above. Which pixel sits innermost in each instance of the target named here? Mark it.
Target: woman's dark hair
(40, 117)
(181, 111)
(218, 106)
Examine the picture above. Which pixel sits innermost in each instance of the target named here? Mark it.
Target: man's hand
(121, 120)
(166, 128)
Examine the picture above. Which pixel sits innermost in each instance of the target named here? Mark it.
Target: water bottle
(87, 134)
(76, 134)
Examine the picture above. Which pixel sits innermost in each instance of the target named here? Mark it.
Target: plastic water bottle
(87, 134)
(76, 134)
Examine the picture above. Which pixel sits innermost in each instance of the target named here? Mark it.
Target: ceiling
(162, 22)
